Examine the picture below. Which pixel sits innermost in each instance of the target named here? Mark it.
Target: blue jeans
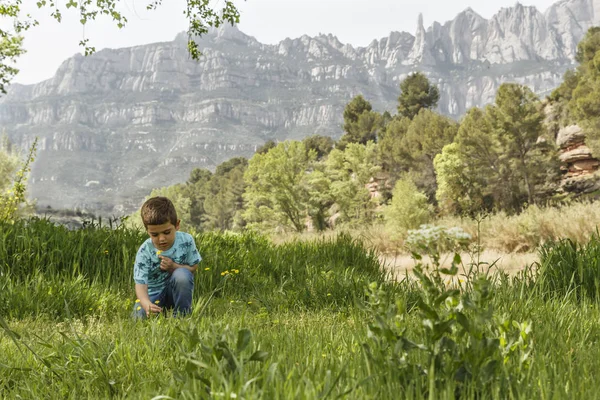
(176, 295)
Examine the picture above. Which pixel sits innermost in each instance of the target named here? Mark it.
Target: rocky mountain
(116, 124)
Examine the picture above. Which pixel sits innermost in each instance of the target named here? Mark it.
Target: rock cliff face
(579, 166)
(114, 125)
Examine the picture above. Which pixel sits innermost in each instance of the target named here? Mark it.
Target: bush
(462, 342)
(408, 209)
(434, 240)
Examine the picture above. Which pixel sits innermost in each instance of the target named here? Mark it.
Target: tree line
(423, 164)
(500, 157)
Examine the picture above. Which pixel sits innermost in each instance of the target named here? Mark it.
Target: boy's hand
(166, 264)
(151, 308)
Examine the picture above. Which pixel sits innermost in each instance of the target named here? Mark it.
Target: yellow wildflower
(158, 252)
(328, 294)
(207, 269)
(137, 301)
(237, 271)
(139, 308)
(157, 301)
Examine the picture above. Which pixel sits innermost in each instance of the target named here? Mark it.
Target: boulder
(570, 136)
(581, 184)
(577, 154)
(584, 165)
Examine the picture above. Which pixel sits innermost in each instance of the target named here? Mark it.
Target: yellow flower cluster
(233, 271)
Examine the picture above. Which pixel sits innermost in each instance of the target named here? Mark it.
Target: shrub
(434, 240)
(408, 209)
(462, 343)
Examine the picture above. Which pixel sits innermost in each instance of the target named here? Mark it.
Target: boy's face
(163, 236)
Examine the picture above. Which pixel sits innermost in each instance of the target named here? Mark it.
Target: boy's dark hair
(158, 211)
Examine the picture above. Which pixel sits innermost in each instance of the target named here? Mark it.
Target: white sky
(357, 22)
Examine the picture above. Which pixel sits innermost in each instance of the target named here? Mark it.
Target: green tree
(416, 93)
(268, 145)
(200, 14)
(197, 188)
(392, 154)
(408, 209)
(584, 104)
(349, 171)
(224, 202)
(13, 181)
(498, 155)
(361, 124)
(322, 145)
(425, 138)
(469, 171)
(9, 163)
(588, 47)
(276, 193)
(517, 120)
(233, 163)
(564, 93)
(320, 197)
(354, 109)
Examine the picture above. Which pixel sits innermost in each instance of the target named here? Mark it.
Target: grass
(498, 232)
(294, 323)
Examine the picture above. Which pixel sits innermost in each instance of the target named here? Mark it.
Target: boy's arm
(189, 262)
(140, 276)
(167, 264)
(141, 291)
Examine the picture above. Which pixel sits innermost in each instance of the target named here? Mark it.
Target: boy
(165, 263)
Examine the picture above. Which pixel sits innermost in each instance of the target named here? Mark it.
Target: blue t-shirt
(146, 270)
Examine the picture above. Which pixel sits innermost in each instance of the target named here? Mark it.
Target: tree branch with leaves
(200, 14)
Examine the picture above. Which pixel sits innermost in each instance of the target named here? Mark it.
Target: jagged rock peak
(420, 54)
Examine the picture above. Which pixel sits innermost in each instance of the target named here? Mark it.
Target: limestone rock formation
(579, 166)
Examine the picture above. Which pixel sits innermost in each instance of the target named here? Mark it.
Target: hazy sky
(357, 22)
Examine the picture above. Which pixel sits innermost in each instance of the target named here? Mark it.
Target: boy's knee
(182, 277)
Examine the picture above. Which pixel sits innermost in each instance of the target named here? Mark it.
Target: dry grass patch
(402, 264)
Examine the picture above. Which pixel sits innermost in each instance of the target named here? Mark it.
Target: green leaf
(457, 259)
(463, 321)
(441, 298)
(428, 311)
(243, 340)
(452, 271)
(10, 332)
(441, 328)
(259, 356)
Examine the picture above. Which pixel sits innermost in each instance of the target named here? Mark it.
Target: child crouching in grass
(165, 263)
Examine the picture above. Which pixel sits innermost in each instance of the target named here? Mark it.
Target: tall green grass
(294, 323)
(567, 267)
(39, 259)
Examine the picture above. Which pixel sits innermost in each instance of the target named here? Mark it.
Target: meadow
(295, 319)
